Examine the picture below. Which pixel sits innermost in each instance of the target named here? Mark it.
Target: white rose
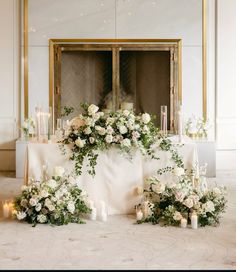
(92, 109)
(178, 171)
(146, 118)
(126, 143)
(51, 207)
(159, 187)
(135, 135)
(47, 202)
(33, 202)
(76, 122)
(145, 129)
(177, 216)
(52, 183)
(20, 215)
(71, 206)
(110, 130)
(80, 143)
(179, 196)
(126, 112)
(208, 206)
(88, 131)
(91, 140)
(195, 199)
(89, 122)
(123, 129)
(38, 207)
(217, 191)
(188, 203)
(109, 138)
(59, 171)
(102, 131)
(43, 193)
(110, 120)
(41, 218)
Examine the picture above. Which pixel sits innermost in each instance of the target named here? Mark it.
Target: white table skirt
(116, 177)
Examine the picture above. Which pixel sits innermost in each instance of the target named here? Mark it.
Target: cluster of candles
(98, 212)
(144, 211)
(7, 208)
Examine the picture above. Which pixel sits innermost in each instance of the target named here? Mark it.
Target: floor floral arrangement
(55, 201)
(174, 204)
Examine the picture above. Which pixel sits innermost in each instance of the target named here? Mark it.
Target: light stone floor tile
(118, 243)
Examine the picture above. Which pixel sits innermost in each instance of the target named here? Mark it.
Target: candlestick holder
(164, 120)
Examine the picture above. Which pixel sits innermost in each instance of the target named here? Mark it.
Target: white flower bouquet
(197, 127)
(172, 202)
(28, 127)
(56, 201)
(95, 130)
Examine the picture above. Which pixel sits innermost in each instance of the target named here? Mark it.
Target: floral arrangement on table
(95, 130)
(197, 127)
(28, 127)
(56, 201)
(168, 204)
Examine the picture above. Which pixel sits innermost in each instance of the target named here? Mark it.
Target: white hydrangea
(146, 118)
(71, 206)
(159, 187)
(126, 143)
(41, 218)
(52, 183)
(92, 109)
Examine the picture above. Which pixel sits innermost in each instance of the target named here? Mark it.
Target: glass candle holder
(164, 120)
(59, 124)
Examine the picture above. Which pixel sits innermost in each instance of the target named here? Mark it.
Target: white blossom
(126, 143)
(146, 118)
(177, 216)
(92, 109)
(109, 138)
(41, 218)
(80, 143)
(33, 201)
(38, 207)
(20, 215)
(188, 202)
(44, 193)
(208, 206)
(123, 129)
(158, 187)
(126, 113)
(52, 183)
(91, 140)
(71, 206)
(87, 131)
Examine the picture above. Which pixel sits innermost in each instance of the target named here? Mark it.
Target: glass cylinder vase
(164, 120)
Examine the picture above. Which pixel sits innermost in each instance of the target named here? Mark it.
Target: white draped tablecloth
(117, 177)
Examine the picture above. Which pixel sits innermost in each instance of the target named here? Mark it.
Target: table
(116, 177)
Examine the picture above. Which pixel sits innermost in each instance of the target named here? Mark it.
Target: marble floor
(118, 243)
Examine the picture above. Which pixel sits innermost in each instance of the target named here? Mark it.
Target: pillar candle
(183, 223)
(139, 215)
(194, 221)
(6, 210)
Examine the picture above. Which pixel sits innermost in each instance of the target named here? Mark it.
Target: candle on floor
(183, 223)
(93, 214)
(194, 221)
(6, 210)
(139, 215)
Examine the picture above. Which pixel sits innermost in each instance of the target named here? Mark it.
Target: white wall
(9, 81)
(226, 84)
(116, 19)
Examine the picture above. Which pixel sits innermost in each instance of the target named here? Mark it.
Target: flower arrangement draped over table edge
(95, 131)
(60, 201)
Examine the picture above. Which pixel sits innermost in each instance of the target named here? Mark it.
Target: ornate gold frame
(204, 64)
